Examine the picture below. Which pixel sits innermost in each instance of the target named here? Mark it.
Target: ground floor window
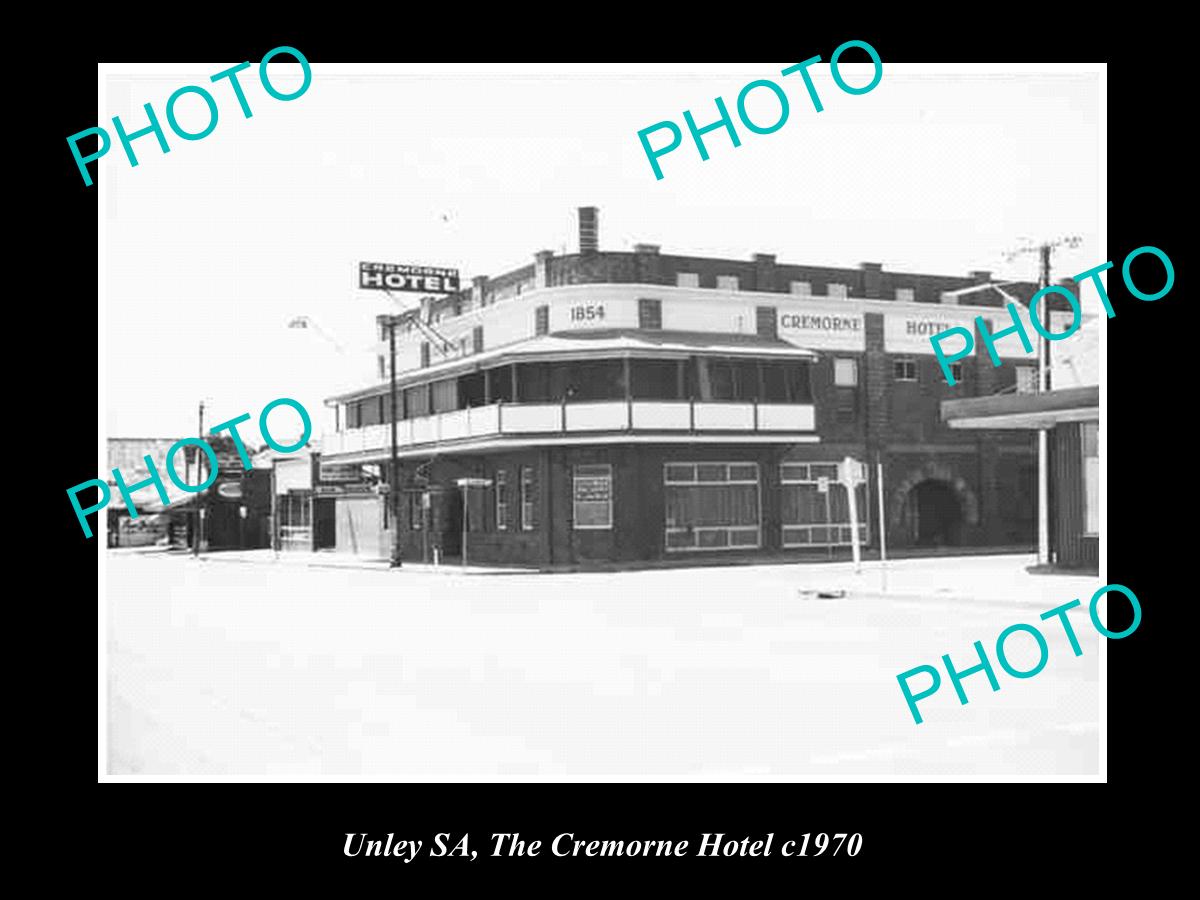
(1091, 477)
(416, 510)
(501, 500)
(528, 499)
(712, 506)
(816, 507)
(592, 493)
(295, 517)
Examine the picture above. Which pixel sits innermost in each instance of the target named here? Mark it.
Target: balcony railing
(604, 416)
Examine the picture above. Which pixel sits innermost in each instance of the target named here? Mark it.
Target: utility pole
(394, 480)
(199, 516)
(1044, 251)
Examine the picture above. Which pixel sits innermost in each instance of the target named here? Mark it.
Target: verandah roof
(614, 343)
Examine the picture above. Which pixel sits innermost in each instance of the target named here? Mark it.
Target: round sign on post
(230, 490)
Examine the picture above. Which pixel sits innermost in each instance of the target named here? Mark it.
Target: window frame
(837, 361)
(696, 481)
(526, 484)
(899, 361)
(416, 511)
(649, 314)
(864, 509)
(1031, 375)
(1090, 471)
(501, 500)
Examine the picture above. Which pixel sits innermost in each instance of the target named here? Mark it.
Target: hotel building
(639, 405)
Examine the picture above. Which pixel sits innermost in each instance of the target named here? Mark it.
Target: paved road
(225, 668)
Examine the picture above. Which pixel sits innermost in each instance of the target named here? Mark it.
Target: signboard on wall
(910, 333)
(588, 311)
(823, 330)
(341, 473)
(413, 279)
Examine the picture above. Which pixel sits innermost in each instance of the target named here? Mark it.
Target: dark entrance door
(936, 515)
(451, 521)
(324, 524)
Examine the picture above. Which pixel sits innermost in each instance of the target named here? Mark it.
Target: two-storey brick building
(639, 405)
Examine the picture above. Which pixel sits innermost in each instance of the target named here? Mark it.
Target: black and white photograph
(604, 422)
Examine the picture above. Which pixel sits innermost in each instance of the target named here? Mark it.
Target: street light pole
(199, 480)
(1043, 385)
(394, 491)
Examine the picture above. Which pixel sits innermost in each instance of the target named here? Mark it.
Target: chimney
(649, 263)
(478, 291)
(589, 230)
(980, 276)
(764, 271)
(541, 268)
(872, 279)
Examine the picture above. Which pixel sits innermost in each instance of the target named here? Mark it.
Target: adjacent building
(639, 405)
(1070, 411)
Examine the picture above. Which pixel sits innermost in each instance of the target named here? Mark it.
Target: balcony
(641, 419)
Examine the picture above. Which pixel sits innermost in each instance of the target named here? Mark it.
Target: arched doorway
(935, 515)
(932, 506)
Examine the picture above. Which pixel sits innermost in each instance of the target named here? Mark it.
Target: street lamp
(1043, 435)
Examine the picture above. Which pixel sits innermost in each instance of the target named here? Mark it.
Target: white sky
(208, 251)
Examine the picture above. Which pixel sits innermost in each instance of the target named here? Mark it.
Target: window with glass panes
(813, 517)
(416, 511)
(528, 499)
(712, 506)
(904, 369)
(501, 500)
(1091, 476)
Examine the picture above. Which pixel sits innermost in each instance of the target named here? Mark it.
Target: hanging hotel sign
(415, 279)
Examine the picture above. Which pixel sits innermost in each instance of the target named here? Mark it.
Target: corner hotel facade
(638, 405)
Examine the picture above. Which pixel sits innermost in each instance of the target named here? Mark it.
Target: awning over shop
(1004, 411)
(599, 344)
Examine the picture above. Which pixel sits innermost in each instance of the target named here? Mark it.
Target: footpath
(320, 560)
(1009, 579)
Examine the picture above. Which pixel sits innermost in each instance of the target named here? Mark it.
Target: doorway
(450, 522)
(324, 524)
(935, 515)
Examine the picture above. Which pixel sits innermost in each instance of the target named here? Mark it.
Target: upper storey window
(687, 279)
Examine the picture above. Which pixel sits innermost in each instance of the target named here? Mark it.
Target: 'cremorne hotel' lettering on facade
(638, 405)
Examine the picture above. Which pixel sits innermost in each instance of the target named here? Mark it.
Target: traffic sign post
(852, 473)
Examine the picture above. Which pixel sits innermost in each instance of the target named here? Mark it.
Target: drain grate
(812, 594)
